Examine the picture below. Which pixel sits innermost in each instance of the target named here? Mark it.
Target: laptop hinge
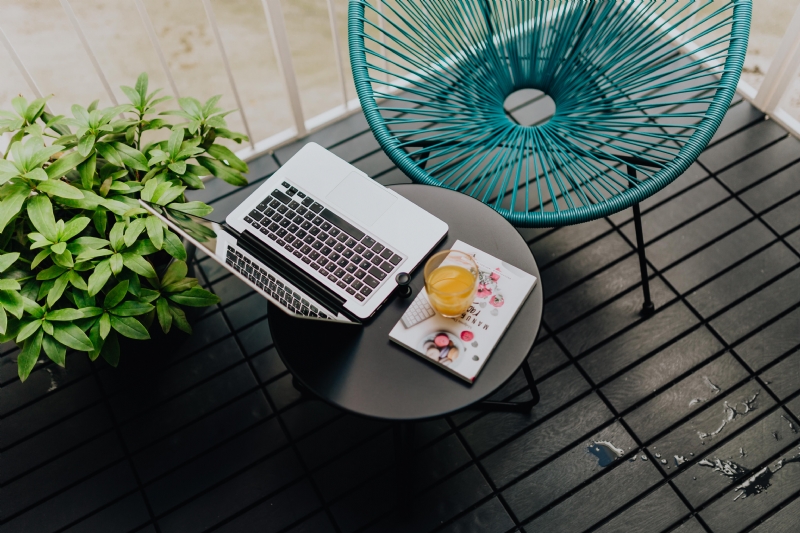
(293, 273)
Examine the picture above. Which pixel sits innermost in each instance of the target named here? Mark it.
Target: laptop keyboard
(356, 262)
(265, 281)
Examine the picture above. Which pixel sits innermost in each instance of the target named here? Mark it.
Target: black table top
(360, 370)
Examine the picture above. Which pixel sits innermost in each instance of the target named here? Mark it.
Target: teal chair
(639, 88)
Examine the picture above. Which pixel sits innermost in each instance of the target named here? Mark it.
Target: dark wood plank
(611, 318)
(749, 450)
(277, 512)
(784, 217)
(782, 378)
(719, 256)
(616, 488)
(657, 371)
(771, 342)
(784, 521)
(738, 117)
(490, 517)
(653, 514)
(535, 492)
(125, 515)
(738, 146)
(761, 164)
(782, 185)
(564, 240)
(759, 308)
(743, 278)
(637, 342)
(659, 413)
(542, 442)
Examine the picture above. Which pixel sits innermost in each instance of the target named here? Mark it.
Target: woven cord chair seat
(637, 85)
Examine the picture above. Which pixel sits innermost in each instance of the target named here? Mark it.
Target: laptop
(319, 238)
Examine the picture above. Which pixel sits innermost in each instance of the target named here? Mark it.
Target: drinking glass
(451, 280)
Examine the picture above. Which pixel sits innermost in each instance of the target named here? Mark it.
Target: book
(462, 345)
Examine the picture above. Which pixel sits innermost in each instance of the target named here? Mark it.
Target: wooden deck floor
(701, 397)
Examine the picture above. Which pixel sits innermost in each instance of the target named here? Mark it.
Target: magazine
(463, 344)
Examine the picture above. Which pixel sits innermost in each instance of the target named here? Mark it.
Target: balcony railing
(770, 97)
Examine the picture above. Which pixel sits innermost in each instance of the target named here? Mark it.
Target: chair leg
(515, 407)
(647, 307)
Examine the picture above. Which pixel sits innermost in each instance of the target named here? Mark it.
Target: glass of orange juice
(451, 280)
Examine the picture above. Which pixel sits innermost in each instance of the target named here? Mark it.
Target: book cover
(462, 345)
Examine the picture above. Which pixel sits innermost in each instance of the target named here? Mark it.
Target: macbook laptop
(319, 238)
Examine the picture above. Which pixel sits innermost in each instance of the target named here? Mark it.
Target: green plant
(79, 256)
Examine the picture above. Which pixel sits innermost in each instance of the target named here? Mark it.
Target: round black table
(357, 368)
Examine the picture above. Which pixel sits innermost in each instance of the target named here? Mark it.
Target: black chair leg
(647, 307)
(515, 407)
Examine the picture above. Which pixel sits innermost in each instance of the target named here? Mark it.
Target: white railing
(769, 97)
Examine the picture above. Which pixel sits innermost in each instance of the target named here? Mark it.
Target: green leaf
(135, 228)
(142, 247)
(6, 260)
(116, 263)
(198, 209)
(179, 286)
(56, 351)
(73, 227)
(117, 236)
(129, 327)
(97, 341)
(12, 205)
(174, 143)
(155, 231)
(31, 307)
(86, 144)
(12, 302)
(132, 157)
(40, 211)
(64, 259)
(99, 277)
(222, 171)
(225, 155)
(174, 246)
(9, 285)
(72, 336)
(167, 195)
(27, 358)
(58, 248)
(179, 167)
(195, 297)
(131, 308)
(64, 164)
(149, 189)
(41, 256)
(132, 95)
(116, 295)
(109, 153)
(60, 189)
(37, 174)
(110, 351)
(65, 315)
(47, 327)
(86, 170)
(164, 316)
(180, 319)
(3, 322)
(28, 329)
(139, 264)
(100, 219)
(58, 289)
(141, 86)
(176, 271)
(77, 281)
(90, 311)
(51, 272)
(105, 325)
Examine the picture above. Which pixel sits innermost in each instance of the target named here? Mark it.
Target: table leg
(517, 407)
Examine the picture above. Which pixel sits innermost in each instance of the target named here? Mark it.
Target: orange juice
(451, 289)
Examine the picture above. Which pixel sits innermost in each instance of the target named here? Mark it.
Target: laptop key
(332, 278)
(289, 238)
(293, 228)
(387, 253)
(330, 267)
(301, 234)
(293, 204)
(285, 185)
(298, 219)
(376, 260)
(256, 215)
(315, 207)
(306, 260)
(305, 249)
(330, 242)
(280, 242)
(278, 195)
(301, 210)
(318, 220)
(263, 230)
(357, 284)
(368, 242)
(378, 273)
(248, 220)
(307, 201)
(274, 227)
(292, 191)
(316, 245)
(269, 212)
(359, 274)
(297, 243)
(285, 223)
(282, 209)
(315, 266)
(281, 232)
(298, 254)
(288, 247)
(359, 248)
(325, 250)
(274, 204)
(313, 230)
(342, 224)
(348, 253)
(341, 284)
(360, 297)
(350, 243)
(309, 239)
(395, 260)
(378, 248)
(386, 267)
(334, 231)
(326, 226)
(350, 291)
(372, 282)
(309, 215)
(368, 254)
(334, 256)
(339, 247)
(366, 291)
(342, 237)
(306, 225)
(342, 262)
(348, 279)
(313, 255)
(322, 260)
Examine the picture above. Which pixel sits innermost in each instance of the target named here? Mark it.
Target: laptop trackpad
(361, 199)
